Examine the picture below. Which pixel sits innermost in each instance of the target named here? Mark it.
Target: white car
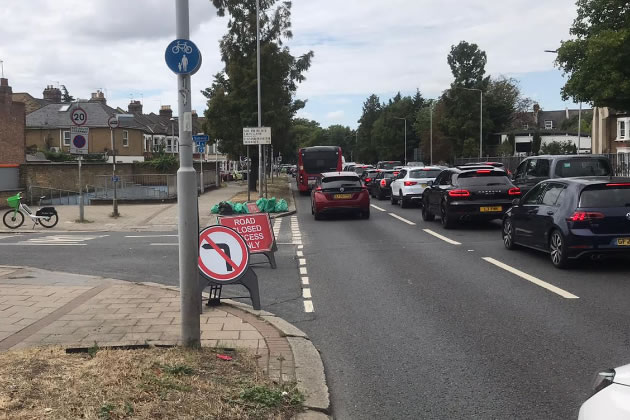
(611, 398)
(410, 184)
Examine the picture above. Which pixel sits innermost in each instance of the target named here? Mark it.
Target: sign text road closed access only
(223, 254)
(254, 228)
(256, 135)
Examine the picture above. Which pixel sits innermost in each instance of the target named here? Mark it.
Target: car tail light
(620, 184)
(514, 191)
(583, 216)
(383, 183)
(459, 193)
(410, 183)
(368, 179)
(396, 173)
(484, 171)
(318, 189)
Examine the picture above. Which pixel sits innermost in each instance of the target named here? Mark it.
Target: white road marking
(303, 271)
(531, 278)
(60, 240)
(302, 261)
(43, 244)
(305, 281)
(377, 207)
(7, 236)
(300, 253)
(149, 236)
(300, 246)
(297, 242)
(163, 244)
(444, 238)
(308, 306)
(306, 293)
(402, 219)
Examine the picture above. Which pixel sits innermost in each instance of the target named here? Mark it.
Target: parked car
(349, 166)
(410, 184)
(359, 169)
(534, 169)
(368, 175)
(495, 164)
(337, 192)
(571, 218)
(611, 396)
(379, 187)
(415, 164)
(480, 193)
(388, 164)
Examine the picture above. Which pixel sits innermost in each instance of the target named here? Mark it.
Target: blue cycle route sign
(183, 57)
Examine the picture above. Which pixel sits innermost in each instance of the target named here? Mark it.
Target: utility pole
(260, 153)
(431, 134)
(187, 199)
(115, 200)
(579, 128)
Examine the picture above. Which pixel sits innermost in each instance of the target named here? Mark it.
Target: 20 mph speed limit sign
(78, 116)
(223, 254)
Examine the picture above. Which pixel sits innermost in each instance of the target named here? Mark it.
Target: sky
(361, 47)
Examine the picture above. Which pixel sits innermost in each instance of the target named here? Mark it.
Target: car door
(439, 190)
(542, 221)
(400, 179)
(523, 215)
(431, 191)
(519, 176)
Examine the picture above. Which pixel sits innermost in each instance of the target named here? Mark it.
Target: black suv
(380, 186)
(535, 169)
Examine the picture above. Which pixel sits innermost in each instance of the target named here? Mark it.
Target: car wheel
(317, 215)
(312, 208)
(365, 214)
(380, 196)
(403, 202)
(508, 234)
(557, 250)
(447, 222)
(393, 198)
(427, 216)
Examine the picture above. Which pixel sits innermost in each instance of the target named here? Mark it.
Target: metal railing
(620, 162)
(136, 187)
(53, 196)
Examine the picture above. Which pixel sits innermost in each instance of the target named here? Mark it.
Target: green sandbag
(215, 209)
(281, 206)
(240, 208)
(271, 205)
(261, 203)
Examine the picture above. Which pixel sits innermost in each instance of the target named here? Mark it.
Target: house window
(525, 126)
(622, 129)
(125, 138)
(548, 124)
(169, 143)
(66, 138)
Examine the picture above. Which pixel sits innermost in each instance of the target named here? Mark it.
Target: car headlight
(603, 379)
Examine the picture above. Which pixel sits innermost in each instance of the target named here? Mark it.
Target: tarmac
(46, 308)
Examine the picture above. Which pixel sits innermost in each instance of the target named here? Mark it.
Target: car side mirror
(516, 201)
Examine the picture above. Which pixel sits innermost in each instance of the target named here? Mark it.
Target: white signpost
(256, 135)
(79, 146)
(79, 140)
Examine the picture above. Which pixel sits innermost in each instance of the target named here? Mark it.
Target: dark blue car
(571, 218)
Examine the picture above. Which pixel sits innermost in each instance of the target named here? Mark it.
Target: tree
(536, 140)
(366, 150)
(597, 61)
(66, 97)
(232, 97)
(468, 64)
(559, 148)
(388, 131)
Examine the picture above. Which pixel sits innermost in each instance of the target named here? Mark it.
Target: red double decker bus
(313, 161)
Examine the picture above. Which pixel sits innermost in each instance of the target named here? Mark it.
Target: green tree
(232, 97)
(559, 148)
(366, 150)
(388, 131)
(597, 61)
(66, 97)
(536, 140)
(468, 64)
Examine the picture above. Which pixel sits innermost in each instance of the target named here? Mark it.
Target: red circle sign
(113, 122)
(78, 116)
(223, 254)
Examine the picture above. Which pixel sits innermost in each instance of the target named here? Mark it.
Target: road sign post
(201, 141)
(257, 232)
(113, 124)
(224, 259)
(79, 137)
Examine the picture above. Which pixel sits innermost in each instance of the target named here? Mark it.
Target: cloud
(335, 115)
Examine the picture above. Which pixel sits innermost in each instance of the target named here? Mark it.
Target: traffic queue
(569, 206)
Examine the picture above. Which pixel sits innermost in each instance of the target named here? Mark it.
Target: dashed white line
(306, 293)
(163, 244)
(377, 207)
(305, 281)
(308, 306)
(300, 246)
(444, 238)
(300, 253)
(302, 261)
(532, 279)
(303, 270)
(402, 219)
(149, 236)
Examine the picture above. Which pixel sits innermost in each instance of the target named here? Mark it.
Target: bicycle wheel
(49, 222)
(13, 219)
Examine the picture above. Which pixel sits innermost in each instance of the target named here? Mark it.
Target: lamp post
(431, 134)
(480, 117)
(405, 120)
(172, 134)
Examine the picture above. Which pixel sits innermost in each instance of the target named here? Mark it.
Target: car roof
(589, 156)
(346, 173)
(592, 180)
(466, 169)
(478, 166)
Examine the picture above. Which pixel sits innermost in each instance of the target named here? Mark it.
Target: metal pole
(186, 200)
(405, 140)
(431, 134)
(481, 124)
(260, 156)
(272, 162)
(217, 180)
(249, 176)
(81, 214)
(579, 128)
(115, 200)
(201, 173)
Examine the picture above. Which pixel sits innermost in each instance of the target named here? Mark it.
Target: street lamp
(172, 135)
(480, 117)
(431, 133)
(405, 120)
(579, 114)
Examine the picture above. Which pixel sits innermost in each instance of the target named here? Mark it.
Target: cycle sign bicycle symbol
(183, 57)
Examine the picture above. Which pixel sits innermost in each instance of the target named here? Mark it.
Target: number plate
(490, 209)
(342, 196)
(623, 241)
(423, 185)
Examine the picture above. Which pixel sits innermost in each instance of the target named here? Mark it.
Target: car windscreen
(575, 167)
(606, 196)
(429, 173)
(359, 171)
(482, 178)
(316, 162)
(389, 175)
(389, 165)
(336, 182)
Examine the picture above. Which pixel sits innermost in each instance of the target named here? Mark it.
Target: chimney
(166, 111)
(6, 92)
(135, 107)
(98, 96)
(52, 94)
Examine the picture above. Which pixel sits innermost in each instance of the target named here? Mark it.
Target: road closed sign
(223, 254)
(254, 228)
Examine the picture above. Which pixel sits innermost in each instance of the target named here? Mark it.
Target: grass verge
(279, 189)
(154, 383)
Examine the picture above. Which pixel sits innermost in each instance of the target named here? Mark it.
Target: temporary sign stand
(224, 259)
(257, 232)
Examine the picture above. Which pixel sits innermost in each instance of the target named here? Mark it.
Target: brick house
(12, 138)
(611, 131)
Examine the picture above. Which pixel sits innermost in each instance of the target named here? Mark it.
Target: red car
(340, 192)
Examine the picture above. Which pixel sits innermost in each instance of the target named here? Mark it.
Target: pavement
(46, 308)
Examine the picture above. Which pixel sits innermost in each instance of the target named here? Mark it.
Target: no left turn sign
(223, 254)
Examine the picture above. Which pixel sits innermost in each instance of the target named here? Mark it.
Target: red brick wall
(12, 126)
